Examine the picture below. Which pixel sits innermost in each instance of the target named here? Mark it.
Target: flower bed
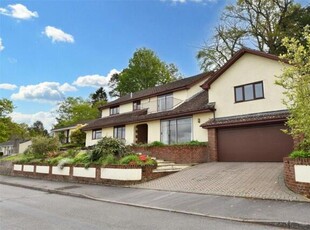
(297, 175)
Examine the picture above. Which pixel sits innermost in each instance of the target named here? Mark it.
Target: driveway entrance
(253, 180)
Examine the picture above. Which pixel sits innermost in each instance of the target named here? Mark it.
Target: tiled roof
(70, 126)
(234, 58)
(169, 87)
(263, 117)
(196, 104)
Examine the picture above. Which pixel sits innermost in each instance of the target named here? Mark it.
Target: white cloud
(94, 80)
(57, 35)
(8, 86)
(45, 91)
(1, 45)
(47, 118)
(18, 11)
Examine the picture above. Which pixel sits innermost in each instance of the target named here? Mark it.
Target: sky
(53, 49)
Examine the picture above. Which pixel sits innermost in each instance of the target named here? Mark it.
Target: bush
(1, 154)
(42, 145)
(134, 159)
(106, 146)
(156, 143)
(300, 154)
(78, 137)
(108, 160)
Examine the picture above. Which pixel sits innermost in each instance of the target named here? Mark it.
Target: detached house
(170, 113)
(237, 109)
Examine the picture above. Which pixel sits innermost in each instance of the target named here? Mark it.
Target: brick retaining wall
(180, 154)
(289, 175)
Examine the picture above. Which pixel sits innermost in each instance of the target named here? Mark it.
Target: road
(29, 209)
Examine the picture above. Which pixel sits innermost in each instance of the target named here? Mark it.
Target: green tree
(74, 110)
(295, 79)
(78, 136)
(113, 83)
(98, 98)
(145, 70)
(6, 107)
(259, 23)
(37, 129)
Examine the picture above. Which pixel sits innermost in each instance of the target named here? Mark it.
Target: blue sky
(53, 49)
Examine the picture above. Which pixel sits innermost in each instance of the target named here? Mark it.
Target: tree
(295, 79)
(144, 70)
(74, 110)
(37, 129)
(6, 107)
(78, 136)
(98, 98)
(113, 85)
(259, 23)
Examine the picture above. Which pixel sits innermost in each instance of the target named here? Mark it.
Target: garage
(257, 143)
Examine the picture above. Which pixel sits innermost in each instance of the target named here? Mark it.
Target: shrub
(134, 159)
(130, 159)
(82, 158)
(106, 146)
(42, 145)
(156, 143)
(1, 154)
(300, 154)
(108, 160)
(78, 137)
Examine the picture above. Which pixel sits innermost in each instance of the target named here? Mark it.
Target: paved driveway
(253, 180)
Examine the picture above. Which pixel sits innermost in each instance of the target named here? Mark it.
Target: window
(114, 110)
(119, 132)
(249, 92)
(97, 134)
(176, 130)
(136, 105)
(164, 102)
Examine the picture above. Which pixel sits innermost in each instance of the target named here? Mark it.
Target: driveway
(252, 180)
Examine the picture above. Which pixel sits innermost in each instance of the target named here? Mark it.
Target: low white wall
(28, 168)
(121, 174)
(42, 169)
(302, 173)
(84, 172)
(58, 171)
(17, 167)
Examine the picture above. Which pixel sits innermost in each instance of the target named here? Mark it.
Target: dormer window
(164, 102)
(136, 105)
(114, 110)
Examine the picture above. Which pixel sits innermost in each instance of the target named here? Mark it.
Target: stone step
(173, 167)
(166, 170)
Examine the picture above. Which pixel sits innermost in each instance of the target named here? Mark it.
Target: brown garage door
(254, 143)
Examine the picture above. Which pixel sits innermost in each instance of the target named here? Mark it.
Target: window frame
(165, 98)
(136, 105)
(114, 110)
(176, 131)
(95, 133)
(123, 132)
(255, 97)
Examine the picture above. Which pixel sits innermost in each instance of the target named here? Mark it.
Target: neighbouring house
(14, 146)
(237, 109)
(64, 132)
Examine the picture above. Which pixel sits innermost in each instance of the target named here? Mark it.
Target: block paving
(250, 180)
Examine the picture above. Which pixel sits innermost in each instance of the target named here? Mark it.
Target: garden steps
(169, 166)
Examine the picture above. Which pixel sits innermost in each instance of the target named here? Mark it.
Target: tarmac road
(22, 208)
